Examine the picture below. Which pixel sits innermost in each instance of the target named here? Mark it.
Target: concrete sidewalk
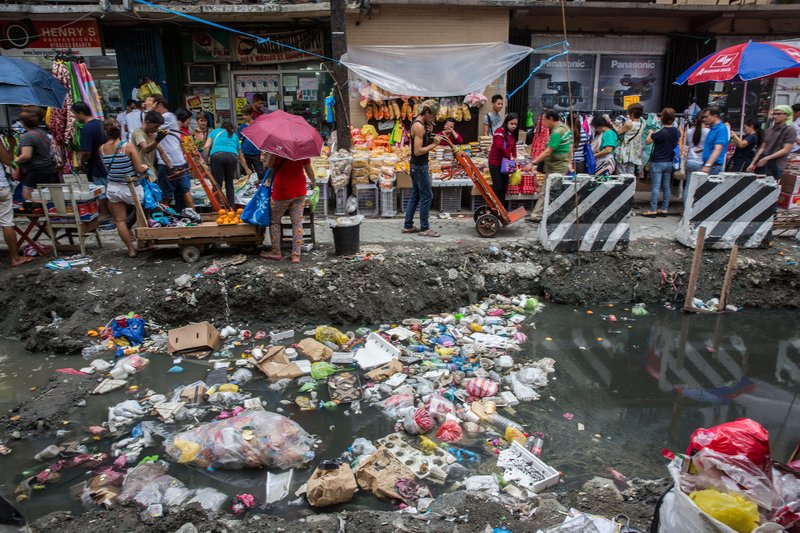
(461, 229)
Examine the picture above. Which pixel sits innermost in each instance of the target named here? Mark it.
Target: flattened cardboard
(314, 350)
(197, 340)
(385, 371)
(275, 370)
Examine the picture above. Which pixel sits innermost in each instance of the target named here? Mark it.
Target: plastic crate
(477, 201)
(450, 200)
(367, 196)
(405, 196)
(388, 203)
(341, 201)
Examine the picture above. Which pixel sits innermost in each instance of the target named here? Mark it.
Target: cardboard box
(789, 201)
(314, 350)
(403, 180)
(276, 365)
(197, 340)
(790, 183)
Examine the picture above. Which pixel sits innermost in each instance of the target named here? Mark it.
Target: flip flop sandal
(410, 230)
(429, 233)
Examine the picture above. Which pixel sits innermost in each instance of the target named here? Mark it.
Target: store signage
(550, 88)
(26, 38)
(220, 46)
(623, 76)
(249, 52)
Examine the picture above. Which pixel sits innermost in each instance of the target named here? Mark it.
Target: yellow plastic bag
(515, 178)
(733, 511)
(329, 334)
(369, 129)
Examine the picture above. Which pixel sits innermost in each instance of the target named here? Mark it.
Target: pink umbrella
(285, 135)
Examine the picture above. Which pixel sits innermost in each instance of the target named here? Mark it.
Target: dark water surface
(635, 386)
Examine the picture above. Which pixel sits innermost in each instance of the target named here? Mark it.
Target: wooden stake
(726, 283)
(695, 272)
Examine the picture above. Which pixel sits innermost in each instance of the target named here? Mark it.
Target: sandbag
(329, 485)
(380, 473)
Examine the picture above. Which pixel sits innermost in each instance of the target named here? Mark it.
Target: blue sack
(257, 210)
(589, 159)
(151, 194)
(134, 331)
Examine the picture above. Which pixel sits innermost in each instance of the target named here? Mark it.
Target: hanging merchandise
(330, 111)
(540, 138)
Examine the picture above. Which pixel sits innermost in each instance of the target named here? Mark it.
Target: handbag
(257, 211)
(588, 158)
(507, 166)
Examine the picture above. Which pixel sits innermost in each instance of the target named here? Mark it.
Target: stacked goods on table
(790, 184)
(229, 217)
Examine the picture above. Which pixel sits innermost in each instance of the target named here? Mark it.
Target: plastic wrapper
(129, 365)
(211, 500)
(175, 496)
(417, 421)
(341, 165)
(362, 446)
(733, 511)
(532, 376)
(742, 436)
(242, 376)
(482, 388)
(321, 370)
(250, 440)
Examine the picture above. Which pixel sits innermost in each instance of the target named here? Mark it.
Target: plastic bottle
(535, 443)
(418, 348)
(501, 422)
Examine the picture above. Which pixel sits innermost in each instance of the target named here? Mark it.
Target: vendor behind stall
(449, 133)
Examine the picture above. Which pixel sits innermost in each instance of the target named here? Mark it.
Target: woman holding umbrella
(288, 194)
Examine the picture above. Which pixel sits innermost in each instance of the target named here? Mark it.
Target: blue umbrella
(23, 83)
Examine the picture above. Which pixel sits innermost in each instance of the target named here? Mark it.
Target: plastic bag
(733, 511)
(329, 334)
(393, 404)
(522, 391)
(362, 446)
(126, 366)
(450, 431)
(131, 328)
(734, 474)
(515, 178)
(533, 376)
(210, 500)
(439, 408)
(482, 388)
(257, 210)
(321, 370)
(417, 421)
(250, 440)
(742, 436)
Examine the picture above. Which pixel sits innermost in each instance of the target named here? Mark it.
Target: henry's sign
(40, 37)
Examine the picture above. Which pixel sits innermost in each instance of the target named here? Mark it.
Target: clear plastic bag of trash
(129, 365)
(523, 392)
(344, 222)
(227, 399)
(242, 376)
(532, 376)
(252, 439)
(150, 476)
(362, 446)
(393, 404)
(211, 500)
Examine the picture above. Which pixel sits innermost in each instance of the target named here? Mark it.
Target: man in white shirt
(173, 170)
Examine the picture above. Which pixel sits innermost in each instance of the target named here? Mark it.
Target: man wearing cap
(772, 155)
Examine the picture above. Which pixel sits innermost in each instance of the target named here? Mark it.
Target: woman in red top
(288, 194)
(504, 145)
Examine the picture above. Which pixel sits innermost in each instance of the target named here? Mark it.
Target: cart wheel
(482, 210)
(190, 254)
(487, 225)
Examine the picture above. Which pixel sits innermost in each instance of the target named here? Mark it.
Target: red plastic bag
(742, 436)
(450, 431)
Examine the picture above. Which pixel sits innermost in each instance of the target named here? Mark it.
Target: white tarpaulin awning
(437, 70)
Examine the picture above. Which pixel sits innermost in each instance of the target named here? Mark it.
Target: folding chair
(65, 216)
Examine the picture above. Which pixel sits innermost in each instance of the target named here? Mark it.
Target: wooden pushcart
(193, 240)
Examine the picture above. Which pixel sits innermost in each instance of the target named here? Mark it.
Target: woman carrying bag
(503, 155)
(288, 194)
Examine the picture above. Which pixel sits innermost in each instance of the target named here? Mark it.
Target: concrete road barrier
(734, 208)
(601, 220)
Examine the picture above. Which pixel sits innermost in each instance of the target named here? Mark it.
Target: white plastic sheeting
(441, 70)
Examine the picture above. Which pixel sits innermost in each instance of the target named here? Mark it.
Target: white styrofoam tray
(523, 468)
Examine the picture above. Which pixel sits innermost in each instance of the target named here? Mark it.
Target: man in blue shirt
(92, 138)
(252, 155)
(716, 144)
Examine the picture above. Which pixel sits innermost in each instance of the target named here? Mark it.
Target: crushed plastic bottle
(639, 310)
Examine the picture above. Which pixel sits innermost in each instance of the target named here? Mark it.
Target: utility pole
(340, 76)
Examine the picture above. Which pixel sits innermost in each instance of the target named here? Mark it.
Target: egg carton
(525, 469)
(413, 458)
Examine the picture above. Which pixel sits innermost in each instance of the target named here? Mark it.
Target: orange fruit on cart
(221, 212)
(239, 211)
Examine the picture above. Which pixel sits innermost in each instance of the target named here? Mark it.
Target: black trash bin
(346, 239)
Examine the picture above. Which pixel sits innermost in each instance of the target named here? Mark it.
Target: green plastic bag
(322, 370)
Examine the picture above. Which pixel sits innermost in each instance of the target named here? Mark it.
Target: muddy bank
(463, 512)
(400, 281)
